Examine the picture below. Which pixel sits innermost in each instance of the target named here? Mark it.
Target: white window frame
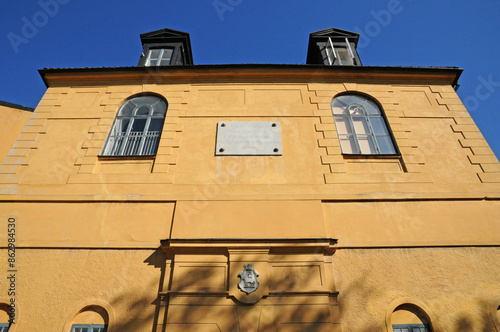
(135, 143)
(160, 56)
(350, 50)
(371, 135)
(330, 52)
(4, 327)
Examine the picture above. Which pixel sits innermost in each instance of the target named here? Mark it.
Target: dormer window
(333, 47)
(159, 57)
(165, 47)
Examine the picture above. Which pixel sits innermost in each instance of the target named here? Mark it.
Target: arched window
(4, 317)
(361, 126)
(88, 328)
(91, 319)
(409, 318)
(137, 127)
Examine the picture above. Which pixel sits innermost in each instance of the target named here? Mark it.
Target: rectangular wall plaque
(248, 138)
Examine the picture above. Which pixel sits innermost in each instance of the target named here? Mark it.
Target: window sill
(371, 156)
(356, 163)
(103, 158)
(124, 165)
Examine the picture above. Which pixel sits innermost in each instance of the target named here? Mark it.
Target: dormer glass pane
(344, 56)
(330, 52)
(155, 54)
(159, 57)
(339, 53)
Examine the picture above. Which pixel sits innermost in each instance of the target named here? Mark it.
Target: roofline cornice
(53, 77)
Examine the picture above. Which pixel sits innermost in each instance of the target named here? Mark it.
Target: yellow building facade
(14, 118)
(335, 241)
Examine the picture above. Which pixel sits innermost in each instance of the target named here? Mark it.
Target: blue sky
(72, 33)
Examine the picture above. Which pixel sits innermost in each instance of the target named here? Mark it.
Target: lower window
(87, 328)
(410, 328)
(4, 327)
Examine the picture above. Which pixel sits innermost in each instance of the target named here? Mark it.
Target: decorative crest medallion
(248, 275)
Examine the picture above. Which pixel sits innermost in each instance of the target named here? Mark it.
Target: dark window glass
(410, 328)
(88, 328)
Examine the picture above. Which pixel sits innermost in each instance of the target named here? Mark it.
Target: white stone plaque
(248, 138)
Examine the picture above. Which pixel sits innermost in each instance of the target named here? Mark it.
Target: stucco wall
(459, 286)
(12, 122)
(53, 285)
(87, 224)
(442, 151)
(422, 225)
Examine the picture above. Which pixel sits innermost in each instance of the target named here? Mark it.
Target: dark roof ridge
(20, 107)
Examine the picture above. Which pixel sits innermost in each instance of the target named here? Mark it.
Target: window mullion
(150, 56)
(333, 52)
(372, 133)
(126, 136)
(160, 56)
(144, 134)
(351, 123)
(349, 48)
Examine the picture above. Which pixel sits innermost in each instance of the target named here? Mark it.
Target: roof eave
(253, 71)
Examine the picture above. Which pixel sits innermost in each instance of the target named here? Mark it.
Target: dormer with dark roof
(333, 47)
(165, 47)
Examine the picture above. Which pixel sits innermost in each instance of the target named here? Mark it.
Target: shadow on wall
(255, 317)
(358, 293)
(465, 323)
(361, 294)
(141, 312)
